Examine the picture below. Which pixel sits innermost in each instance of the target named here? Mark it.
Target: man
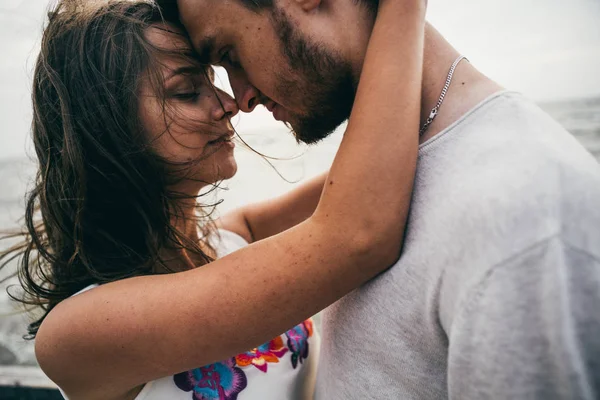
(497, 292)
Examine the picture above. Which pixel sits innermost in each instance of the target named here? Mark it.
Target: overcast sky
(547, 49)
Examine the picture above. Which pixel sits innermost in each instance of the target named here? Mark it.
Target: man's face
(270, 61)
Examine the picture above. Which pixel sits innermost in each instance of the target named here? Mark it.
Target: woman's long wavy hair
(100, 209)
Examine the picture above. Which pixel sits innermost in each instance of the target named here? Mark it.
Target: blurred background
(547, 49)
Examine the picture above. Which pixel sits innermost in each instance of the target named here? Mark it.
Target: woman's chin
(227, 169)
(230, 172)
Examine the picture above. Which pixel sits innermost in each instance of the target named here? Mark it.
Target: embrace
(453, 246)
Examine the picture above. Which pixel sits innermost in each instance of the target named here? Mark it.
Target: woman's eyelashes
(187, 91)
(187, 96)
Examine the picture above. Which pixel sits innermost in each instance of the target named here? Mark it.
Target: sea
(258, 178)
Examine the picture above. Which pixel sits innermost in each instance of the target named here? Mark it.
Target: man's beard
(323, 83)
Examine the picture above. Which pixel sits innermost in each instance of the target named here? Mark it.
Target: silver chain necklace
(436, 109)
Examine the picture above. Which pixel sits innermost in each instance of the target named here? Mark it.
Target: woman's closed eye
(186, 91)
(187, 96)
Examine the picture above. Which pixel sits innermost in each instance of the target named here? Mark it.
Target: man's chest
(384, 341)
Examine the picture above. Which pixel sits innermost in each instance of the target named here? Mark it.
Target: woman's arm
(263, 219)
(103, 343)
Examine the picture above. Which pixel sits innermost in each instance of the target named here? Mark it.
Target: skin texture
(304, 82)
(136, 330)
(259, 67)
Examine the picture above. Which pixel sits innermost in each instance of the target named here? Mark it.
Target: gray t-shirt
(497, 292)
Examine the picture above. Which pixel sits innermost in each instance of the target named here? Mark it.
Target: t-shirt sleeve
(530, 329)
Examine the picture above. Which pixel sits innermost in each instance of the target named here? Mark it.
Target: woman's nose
(226, 107)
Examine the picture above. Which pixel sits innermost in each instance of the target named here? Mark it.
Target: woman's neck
(189, 251)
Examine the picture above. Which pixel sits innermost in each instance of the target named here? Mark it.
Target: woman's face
(188, 123)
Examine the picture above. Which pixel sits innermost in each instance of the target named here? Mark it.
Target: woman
(128, 130)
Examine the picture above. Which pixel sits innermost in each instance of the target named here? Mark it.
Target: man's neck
(468, 87)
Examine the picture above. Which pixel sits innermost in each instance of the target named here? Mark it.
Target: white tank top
(281, 369)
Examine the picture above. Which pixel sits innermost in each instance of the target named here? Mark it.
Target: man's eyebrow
(206, 48)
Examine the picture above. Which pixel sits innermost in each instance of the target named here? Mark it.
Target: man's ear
(308, 5)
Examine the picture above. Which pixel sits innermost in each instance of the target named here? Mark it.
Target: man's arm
(530, 329)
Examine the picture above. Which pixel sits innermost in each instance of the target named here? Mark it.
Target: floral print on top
(226, 379)
(218, 381)
(259, 357)
(298, 341)
(273, 371)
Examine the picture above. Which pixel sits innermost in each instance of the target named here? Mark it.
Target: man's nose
(246, 95)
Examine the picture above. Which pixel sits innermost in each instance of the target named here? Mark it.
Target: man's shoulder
(504, 126)
(500, 179)
(505, 160)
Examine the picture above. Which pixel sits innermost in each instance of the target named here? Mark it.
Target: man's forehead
(202, 21)
(198, 15)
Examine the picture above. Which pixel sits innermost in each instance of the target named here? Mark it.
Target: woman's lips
(224, 138)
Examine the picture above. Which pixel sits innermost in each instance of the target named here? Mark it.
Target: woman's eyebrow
(187, 70)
